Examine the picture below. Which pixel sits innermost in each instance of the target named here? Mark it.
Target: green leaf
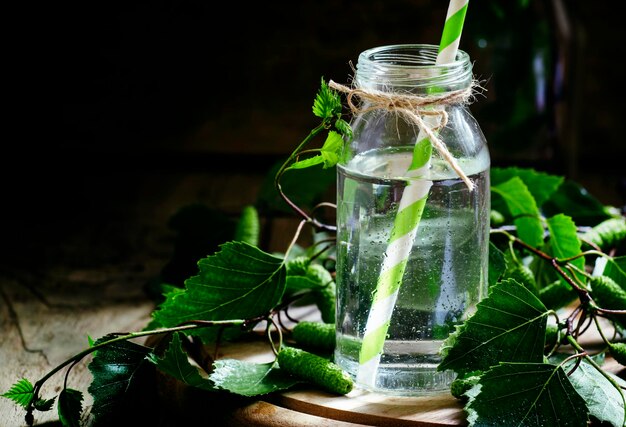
(540, 184)
(525, 395)
(175, 363)
(250, 379)
(329, 153)
(523, 208)
(119, 372)
(564, 241)
(248, 227)
(332, 149)
(344, 129)
(21, 392)
(508, 326)
(604, 401)
(239, 282)
(70, 406)
(44, 404)
(496, 264)
(327, 103)
(306, 163)
(199, 230)
(574, 200)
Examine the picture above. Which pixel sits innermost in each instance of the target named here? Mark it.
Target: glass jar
(412, 236)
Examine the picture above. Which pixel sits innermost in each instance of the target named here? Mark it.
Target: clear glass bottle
(444, 274)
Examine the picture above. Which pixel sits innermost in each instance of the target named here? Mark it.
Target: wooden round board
(368, 408)
(304, 407)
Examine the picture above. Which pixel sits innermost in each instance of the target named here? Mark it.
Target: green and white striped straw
(406, 222)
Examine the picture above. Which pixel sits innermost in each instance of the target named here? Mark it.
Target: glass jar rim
(412, 66)
(410, 56)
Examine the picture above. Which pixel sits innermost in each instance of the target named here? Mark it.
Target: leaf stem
(79, 356)
(292, 157)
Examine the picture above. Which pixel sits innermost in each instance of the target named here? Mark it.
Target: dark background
(127, 111)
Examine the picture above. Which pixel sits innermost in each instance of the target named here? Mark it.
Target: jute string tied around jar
(413, 108)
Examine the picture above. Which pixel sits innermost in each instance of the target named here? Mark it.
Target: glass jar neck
(412, 68)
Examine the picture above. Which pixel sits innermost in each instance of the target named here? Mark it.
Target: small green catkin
(325, 300)
(524, 275)
(608, 234)
(496, 218)
(298, 266)
(618, 351)
(314, 335)
(459, 386)
(552, 334)
(315, 369)
(607, 293)
(248, 227)
(556, 295)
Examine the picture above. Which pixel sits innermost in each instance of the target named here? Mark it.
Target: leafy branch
(552, 246)
(327, 106)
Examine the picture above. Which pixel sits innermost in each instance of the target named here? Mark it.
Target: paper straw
(406, 222)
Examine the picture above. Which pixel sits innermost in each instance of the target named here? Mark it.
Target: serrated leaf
(540, 184)
(21, 392)
(199, 230)
(250, 379)
(175, 363)
(508, 326)
(248, 227)
(344, 129)
(239, 282)
(327, 103)
(329, 153)
(525, 395)
(331, 149)
(307, 163)
(70, 407)
(523, 208)
(604, 401)
(118, 371)
(44, 404)
(564, 241)
(497, 264)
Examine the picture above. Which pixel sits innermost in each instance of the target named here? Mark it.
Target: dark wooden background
(123, 113)
(129, 111)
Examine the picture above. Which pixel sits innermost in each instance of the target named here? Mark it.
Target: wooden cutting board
(311, 407)
(314, 408)
(306, 407)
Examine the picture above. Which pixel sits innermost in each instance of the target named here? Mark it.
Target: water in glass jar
(445, 276)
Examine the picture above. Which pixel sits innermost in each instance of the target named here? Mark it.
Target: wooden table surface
(56, 293)
(41, 326)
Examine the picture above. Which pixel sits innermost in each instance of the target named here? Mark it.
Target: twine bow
(413, 108)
